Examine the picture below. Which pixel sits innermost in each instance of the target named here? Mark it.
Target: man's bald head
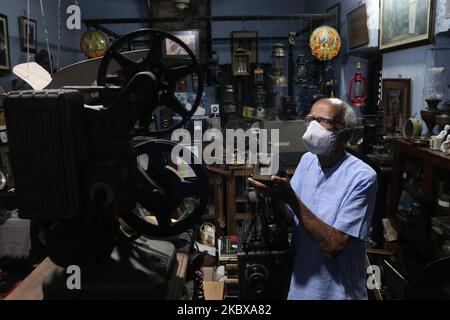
(329, 108)
(336, 110)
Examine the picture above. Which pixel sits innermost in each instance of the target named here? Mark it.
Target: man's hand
(279, 189)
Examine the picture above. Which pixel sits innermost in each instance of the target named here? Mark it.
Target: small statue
(441, 137)
(446, 146)
(444, 133)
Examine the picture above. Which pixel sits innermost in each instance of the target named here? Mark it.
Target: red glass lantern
(358, 88)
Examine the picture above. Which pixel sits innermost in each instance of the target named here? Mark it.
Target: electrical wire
(46, 36)
(28, 36)
(58, 45)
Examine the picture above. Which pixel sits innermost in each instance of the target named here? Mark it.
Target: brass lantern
(278, 65)
(241, 62)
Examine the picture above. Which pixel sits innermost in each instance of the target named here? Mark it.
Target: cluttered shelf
(438, 158)
(417, 208)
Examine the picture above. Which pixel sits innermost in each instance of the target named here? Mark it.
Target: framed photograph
(28, 34)
(181, 20)
(173, 50)
(405, 24)
(396, 105)
(247, 40)
(336, 10)
(5, 58)
(358, 32)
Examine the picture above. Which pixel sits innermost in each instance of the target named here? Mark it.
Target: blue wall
(70, 51)
(345, 63)
(70, 39)
(98, 9)
(265, 28)
(409, 63)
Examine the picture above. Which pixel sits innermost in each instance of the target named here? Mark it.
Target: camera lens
(257, 278)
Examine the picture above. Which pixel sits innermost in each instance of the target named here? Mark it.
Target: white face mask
(318, 140)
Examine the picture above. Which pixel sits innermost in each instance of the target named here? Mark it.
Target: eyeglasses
(321, 120)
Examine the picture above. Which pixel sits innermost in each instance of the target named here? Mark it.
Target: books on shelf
(228, 248)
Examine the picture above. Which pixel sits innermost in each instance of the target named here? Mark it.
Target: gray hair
(350, 117)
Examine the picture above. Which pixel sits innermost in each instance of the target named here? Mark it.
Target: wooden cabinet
(416, 171)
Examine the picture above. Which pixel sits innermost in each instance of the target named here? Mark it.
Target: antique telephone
(95, 189)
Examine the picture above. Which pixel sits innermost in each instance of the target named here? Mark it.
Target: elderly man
(330, 198)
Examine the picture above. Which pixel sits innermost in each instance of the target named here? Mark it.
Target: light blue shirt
(343, 197)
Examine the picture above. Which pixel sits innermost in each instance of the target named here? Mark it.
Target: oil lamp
(241, 62)
(358, 88)
(434, 87)
(278, 57)
(433, 93)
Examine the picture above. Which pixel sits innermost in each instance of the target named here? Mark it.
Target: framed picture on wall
(405, 24)
(180, 20)
(28, 34)
(396, 105)
(336, 11)
(5, 58)
(358, 33)
(173, 50)
(247, 40)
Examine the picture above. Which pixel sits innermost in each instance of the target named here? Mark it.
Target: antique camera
(264, 259)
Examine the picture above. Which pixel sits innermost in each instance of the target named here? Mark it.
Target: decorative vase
(433, 92)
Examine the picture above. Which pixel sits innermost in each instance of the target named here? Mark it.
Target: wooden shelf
(416, 234)
(241, 199)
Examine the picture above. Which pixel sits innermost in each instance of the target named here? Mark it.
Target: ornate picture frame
(28, 34)
(5, 56)
(396, 105)
(406, 24)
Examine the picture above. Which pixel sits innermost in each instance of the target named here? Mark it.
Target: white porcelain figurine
(446, 146)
